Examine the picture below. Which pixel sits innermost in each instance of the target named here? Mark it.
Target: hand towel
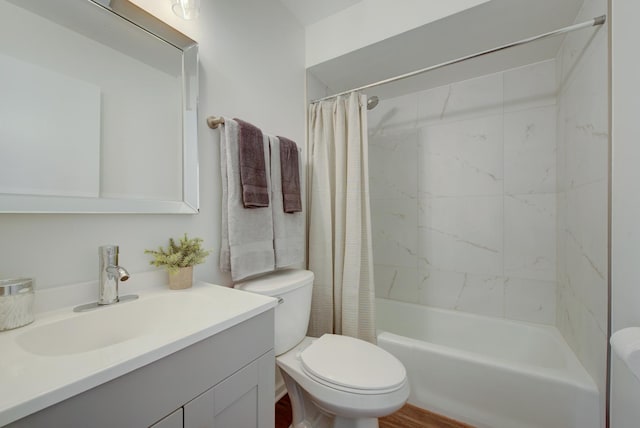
(253, 172)
(288, 229)
(290, 171)
(246, 246)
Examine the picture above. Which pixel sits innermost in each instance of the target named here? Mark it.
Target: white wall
(463, 195)
(625, 234)
(252, 67)
(583, 142)
(371, 21)
(315, 88)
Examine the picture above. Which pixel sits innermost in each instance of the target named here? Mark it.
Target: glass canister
(16, 302)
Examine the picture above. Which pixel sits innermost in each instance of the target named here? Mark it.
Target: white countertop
(32, 378)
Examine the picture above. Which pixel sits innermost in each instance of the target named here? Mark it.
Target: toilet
(333, 381)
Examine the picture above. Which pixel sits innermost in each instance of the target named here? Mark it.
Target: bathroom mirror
(97, 110)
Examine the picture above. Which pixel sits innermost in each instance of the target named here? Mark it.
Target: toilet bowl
(333, 381)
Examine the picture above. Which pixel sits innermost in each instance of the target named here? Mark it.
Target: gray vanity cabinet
(224, 381)
(225, 405)
(174, 420)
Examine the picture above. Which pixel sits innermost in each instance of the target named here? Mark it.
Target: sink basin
(139, 320)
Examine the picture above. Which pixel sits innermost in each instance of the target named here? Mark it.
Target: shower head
(372, 102)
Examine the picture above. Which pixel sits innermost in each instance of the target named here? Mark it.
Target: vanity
(201, 357)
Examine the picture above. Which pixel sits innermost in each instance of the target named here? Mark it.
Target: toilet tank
(292, 288)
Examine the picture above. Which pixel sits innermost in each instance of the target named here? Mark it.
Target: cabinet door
(174, 420)
(243, 400)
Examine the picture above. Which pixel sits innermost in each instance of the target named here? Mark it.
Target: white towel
(288, 228)
(246, 244)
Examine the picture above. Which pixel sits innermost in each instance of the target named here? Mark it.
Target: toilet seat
(352, 365)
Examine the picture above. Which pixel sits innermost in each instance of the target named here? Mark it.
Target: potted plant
(178, 259)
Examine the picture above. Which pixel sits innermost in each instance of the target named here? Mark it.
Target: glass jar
(16, 302)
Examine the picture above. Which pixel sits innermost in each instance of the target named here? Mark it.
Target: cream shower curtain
(340, 249)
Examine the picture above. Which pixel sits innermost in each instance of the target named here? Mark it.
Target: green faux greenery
(187, 252)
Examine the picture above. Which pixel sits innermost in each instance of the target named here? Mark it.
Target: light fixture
(186, 9)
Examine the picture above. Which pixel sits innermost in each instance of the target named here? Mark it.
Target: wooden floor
(407, 417)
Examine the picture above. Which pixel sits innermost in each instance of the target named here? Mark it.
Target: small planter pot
(181, 279)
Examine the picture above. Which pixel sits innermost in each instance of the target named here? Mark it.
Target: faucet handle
(109, 253)
(109, 248)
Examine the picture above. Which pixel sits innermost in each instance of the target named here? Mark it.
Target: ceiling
(311, 11)
(483, 27)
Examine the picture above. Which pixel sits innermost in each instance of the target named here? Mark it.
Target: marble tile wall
(463, 188)
(490, 195)
(582, 183)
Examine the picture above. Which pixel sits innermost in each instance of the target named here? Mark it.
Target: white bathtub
(488, 372)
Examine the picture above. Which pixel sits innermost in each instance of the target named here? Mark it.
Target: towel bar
(215, 121)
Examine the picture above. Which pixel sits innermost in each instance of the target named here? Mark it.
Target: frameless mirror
(98, 106)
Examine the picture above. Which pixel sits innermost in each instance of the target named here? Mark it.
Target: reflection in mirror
(97, 114)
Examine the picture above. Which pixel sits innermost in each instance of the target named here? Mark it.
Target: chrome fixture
(109, 276)
(372, 102)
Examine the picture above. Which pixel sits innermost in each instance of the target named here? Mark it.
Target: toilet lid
(353, 365)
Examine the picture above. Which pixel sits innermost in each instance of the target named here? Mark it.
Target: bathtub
(488, 372)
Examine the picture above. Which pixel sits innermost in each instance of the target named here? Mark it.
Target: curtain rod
(599, 20)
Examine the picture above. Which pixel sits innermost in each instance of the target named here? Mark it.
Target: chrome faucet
(110, 275)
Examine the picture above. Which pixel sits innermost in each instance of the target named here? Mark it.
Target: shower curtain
(340, 249)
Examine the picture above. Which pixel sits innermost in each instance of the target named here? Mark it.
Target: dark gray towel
(289, 170)
(253, 173)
